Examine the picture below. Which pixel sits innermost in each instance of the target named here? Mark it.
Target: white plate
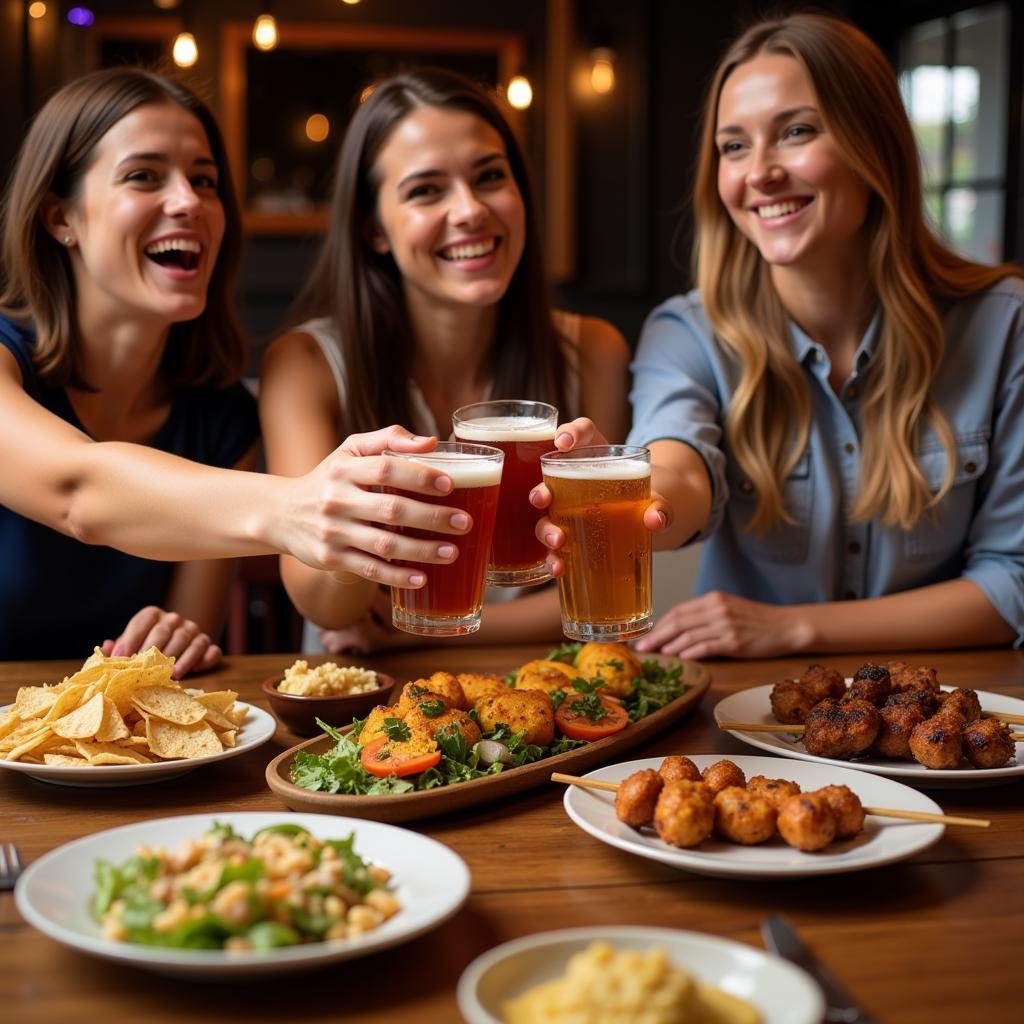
(882, 841)
(753, 705)
(430, 882)
(783, 993)
(257, 728)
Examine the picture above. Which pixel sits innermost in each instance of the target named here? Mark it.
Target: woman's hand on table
(177, 637)
(577, 434)
(340, 519)
(723, 625)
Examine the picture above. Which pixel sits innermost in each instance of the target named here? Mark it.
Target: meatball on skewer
(937, 742)
(988, 743)
(841, 729)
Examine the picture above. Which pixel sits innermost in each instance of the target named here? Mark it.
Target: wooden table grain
(931, 940)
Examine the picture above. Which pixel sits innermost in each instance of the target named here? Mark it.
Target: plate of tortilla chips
(124, 722)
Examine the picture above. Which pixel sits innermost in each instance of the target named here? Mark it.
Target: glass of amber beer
(449, 603)
(598, 498)
(524, 431)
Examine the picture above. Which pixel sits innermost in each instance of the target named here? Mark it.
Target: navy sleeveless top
(59, 597)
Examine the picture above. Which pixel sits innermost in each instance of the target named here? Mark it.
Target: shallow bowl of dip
(299, 711)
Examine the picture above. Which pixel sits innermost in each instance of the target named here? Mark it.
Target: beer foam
(598, 468)
(506, 428)
(465, 470)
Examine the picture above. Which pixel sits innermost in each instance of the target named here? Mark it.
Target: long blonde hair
(768, 422)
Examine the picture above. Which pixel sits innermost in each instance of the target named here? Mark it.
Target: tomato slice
(396, 763)
(578, 726)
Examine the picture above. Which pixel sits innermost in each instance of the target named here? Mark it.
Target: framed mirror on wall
(284, 111)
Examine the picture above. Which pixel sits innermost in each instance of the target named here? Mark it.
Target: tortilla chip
(112, 726)
(228, 738)
(175, 740)
(66, 702)
(34, 701)
(65, 761)
(170, 703)
(29, 743)
(9, 721)
(83, 722)
(110, 753)
(219, 700)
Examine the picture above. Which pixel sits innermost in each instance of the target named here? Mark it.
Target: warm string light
(264, 32)
(185, 51)
(37, 10)
(519, 92)
(317, 128)
(602, 70)
(166, 5)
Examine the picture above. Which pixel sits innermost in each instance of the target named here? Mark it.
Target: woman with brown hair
(428, 295)
(121, 411)
(836, 410)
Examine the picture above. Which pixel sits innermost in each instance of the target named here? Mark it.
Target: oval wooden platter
(445, 799)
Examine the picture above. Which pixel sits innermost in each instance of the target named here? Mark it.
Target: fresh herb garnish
(655, 687)
(432, 708)
(589, 707)
(395, 729)
(615, 664)
(566, 653)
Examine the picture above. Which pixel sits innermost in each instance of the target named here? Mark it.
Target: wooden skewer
(1004, 716)
(882, 812)
(796, 730)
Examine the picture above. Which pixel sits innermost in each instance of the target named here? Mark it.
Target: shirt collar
(806, 350)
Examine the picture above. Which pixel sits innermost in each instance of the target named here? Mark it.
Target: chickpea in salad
(284, 887)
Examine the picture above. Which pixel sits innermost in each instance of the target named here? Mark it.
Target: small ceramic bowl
(300, 713)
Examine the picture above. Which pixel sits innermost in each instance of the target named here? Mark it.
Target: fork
(10, 865)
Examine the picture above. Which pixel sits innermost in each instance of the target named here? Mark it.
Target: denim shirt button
(849, 448)
(853, 547)
(970, 467)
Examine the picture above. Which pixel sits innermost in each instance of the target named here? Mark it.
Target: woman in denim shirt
(836, 411)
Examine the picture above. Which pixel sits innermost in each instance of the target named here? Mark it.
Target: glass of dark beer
(524, 431)
(449, 603)
(598, 497)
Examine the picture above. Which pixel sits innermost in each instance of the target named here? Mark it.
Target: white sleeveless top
(324, 331)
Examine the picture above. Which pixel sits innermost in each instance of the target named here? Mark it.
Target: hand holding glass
(449, 603)
(598, 497)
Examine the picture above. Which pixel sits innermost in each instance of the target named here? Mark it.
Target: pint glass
(523, 431)
(598, 497)
(449, 602)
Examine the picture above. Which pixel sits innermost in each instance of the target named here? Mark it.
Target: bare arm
(159, 506)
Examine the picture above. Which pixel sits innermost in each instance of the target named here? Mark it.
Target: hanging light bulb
(264, 32)
(37, 10)
(519, 92)
(317, 127)
(602, 70)
(185, 51)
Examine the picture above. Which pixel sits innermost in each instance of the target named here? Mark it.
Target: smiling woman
(121, 411)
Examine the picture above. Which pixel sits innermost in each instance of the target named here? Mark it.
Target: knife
(781, 938)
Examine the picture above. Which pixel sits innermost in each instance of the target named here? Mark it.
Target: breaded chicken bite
(374, 725)
(545, 675)
(685, 813)
(744, 816)
(615, 664)
(448, 686)
(424, 719)
(478, 684)
(531, 710)
(416, 693)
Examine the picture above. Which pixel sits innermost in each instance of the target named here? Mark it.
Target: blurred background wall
(616, 92)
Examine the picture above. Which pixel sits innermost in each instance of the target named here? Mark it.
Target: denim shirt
(684, 382)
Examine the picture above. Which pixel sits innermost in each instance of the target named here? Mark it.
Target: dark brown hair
(39, 287)
(361, 289)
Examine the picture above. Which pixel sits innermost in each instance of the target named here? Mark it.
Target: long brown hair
(361, 290)
(39, 287)
(768, 422)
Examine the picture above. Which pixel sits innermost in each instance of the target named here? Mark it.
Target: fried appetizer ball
(416, 693)
(826, 682)
(685, 813)
(531, 710)
(897, 722)
(744, 816)
(615, 664)
(925, 701)
(847, 808)
(478, 684)
(906, 679)
(545, 675)
(676, 768)
(775, 791)
(806, 822)
(374, 724)
(445, 684)
(937, 742)
(791, 702)
(987, 743)
(870, 683)
(637, 797)
(721, 774)
(962, 704)
(420, 720)
(841, 729)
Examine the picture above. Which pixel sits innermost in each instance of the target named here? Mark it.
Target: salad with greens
(283, 887)
(425, 741)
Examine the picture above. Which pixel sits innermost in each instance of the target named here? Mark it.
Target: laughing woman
(428, 295)
(837, 411)
(120, 361)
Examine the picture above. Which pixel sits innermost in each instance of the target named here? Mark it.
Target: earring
(66, 240)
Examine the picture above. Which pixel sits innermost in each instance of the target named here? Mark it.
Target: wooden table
(933, 939)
